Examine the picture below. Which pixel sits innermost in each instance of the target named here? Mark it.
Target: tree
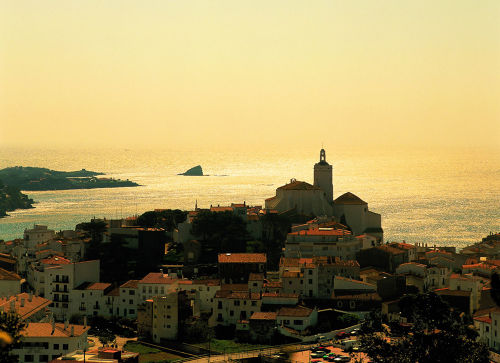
(95, 230)
(220, 232)
(11, 326)
(167, 219)
(438, 334)
(106, 337)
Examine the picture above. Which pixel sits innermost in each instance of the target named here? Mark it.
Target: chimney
(53, 326)
(161, 271)
(72, 330)
(22, 302)
(85, 322)
(66, 323)
(30, 297)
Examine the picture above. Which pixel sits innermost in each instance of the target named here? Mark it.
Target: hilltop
(32, 178)
(11, 198)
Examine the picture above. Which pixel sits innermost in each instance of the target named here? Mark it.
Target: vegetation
(11, 199)
(167, 219)
(275, 228)
(220, 232)
(30, 178)
(229, 346)
(149, 354)
(333, 321)
(11, 326)
(437, 334)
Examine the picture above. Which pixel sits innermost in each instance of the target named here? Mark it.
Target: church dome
(349, 198)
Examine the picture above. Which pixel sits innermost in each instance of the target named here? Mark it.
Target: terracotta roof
(349, 198)
(207, 282)
(36, 304)
(156, 278)
(114, 292)
(242, 258)
(7, 275)
(321, 232)
(98, 286)
(413, 264)
(481, 265)
(264, 315)
(273, 284)
(131, 284)
(484, 319)
(241, 295)
(55, 260)
(298, 311)
(221, 209)
(234, 287)
(279, 295)
(44, 330)
(299, 185)
(292, 274)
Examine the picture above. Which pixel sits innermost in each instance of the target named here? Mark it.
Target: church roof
(298, 185)
(349, 198)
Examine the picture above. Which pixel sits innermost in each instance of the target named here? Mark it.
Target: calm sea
(444, 197)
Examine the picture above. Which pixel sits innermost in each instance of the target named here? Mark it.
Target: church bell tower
(323, 176)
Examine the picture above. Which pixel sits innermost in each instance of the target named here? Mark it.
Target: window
(236, 302)
(156, 289)
(310, 272)
(168, 306)
(131, 302)
(289, 282)
(254, 303)
(286, 321)
(168, 317)
(298, 322)
(144, 289)
(168, 326)
(44, 358)
(162, 289)
(65, 347)
(132, 292)
(56, 346)
(310, 281)
(29, 358)
(231, 313)
(150, 289)
(255, 284)
(219, 305)
(131, 311)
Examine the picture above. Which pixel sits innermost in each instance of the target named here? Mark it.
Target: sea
(435, 196)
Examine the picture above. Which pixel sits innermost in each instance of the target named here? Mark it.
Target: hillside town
(291, 280)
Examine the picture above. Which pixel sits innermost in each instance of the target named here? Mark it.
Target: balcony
(82, 308)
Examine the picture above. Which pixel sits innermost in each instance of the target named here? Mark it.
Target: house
(313, 277)
(297, 318)
(233, 304)
(322, 242)
(262, 327)
(10, 283)
(383, 256)
(487, 324)
(42, 342)
(237, 267)
(29, 308)
(357, 302)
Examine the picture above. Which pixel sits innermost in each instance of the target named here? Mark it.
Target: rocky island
(194, 171)
(31, 178)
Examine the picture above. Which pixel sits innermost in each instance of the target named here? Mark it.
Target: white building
(488, 327)
(297, 318)
(10, 283)
(42, 342)
(38, 234)
(322, 242)
(56, 282)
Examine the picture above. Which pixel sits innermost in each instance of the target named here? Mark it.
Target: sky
(282, 73)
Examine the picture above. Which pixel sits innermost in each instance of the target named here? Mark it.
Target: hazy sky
(250, 73)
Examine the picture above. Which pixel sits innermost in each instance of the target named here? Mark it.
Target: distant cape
(194, 171)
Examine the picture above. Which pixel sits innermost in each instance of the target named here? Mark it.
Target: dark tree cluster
(437, 334)
(167, 219)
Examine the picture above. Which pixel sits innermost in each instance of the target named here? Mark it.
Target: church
(317, 200)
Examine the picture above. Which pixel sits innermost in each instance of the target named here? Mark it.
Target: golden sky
(243, 73)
